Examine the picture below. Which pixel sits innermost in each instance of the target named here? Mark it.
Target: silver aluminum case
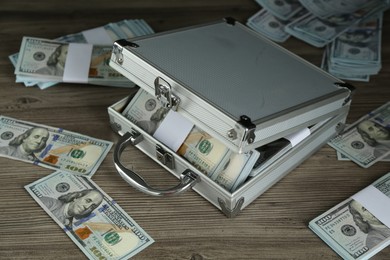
(232, 203)
(230, 81)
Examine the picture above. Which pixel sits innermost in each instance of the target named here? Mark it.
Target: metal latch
(165, 157)
(163, 92)
(117, 49)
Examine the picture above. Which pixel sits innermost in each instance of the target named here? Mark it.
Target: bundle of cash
(356, 53)
(51, 147)
(366, 141)
(101, 38)
(236, 170)
(326, 9)
(270, 25)
(271, 20)
(92, 219)
(205, 152)
(358, 227)
(321, 31)
(315, 22)
(350, 31)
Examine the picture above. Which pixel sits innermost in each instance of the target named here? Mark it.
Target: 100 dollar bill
(49, 60)
(95, 223)
(205, 152)
(358, 227)
(50, 147)
(366, 141)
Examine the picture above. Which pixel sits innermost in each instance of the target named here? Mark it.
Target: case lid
(237, 71)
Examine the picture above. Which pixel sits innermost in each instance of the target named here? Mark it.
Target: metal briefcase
(239, 87)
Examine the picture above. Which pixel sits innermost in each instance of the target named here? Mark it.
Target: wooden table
(274, 226)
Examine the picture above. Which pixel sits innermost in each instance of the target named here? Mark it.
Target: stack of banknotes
(367, 140)
(356, 53)
(76, 58)
(90, 217)
(333, 24)
(359, 227)
(206, 153)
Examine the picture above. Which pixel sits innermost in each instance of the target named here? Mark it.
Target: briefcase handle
(188, 178)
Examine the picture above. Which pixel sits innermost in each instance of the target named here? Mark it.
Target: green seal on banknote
(77, 153)
(205, 146)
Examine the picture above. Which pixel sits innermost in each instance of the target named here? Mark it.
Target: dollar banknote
(358, 227)
(205, 152)
(321, 31)
(145, 111)
(325, 65)
(324, 9)
(358, 50)
(236, 170)
(366, 141)
(47, 60)
(51, 147)
(102, 35)
(92, 219)
(268, 25)
(342, 157)
(282, 9)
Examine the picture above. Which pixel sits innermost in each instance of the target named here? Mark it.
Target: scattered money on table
(349, 31)
(92, 219)
(366, 141)
(321, 31)
(101, 36)
(358, 227)
(51, 147)
(281, 9)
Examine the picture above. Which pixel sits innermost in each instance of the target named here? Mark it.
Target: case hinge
(165, 157)
(249, 130)
(163, 92)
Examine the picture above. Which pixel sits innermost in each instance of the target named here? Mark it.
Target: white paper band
(297, 137)
(173, 130)
(77, 63)
(377, 203)
(97, 36)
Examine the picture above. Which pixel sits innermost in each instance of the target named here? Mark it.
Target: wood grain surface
(274, 226)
